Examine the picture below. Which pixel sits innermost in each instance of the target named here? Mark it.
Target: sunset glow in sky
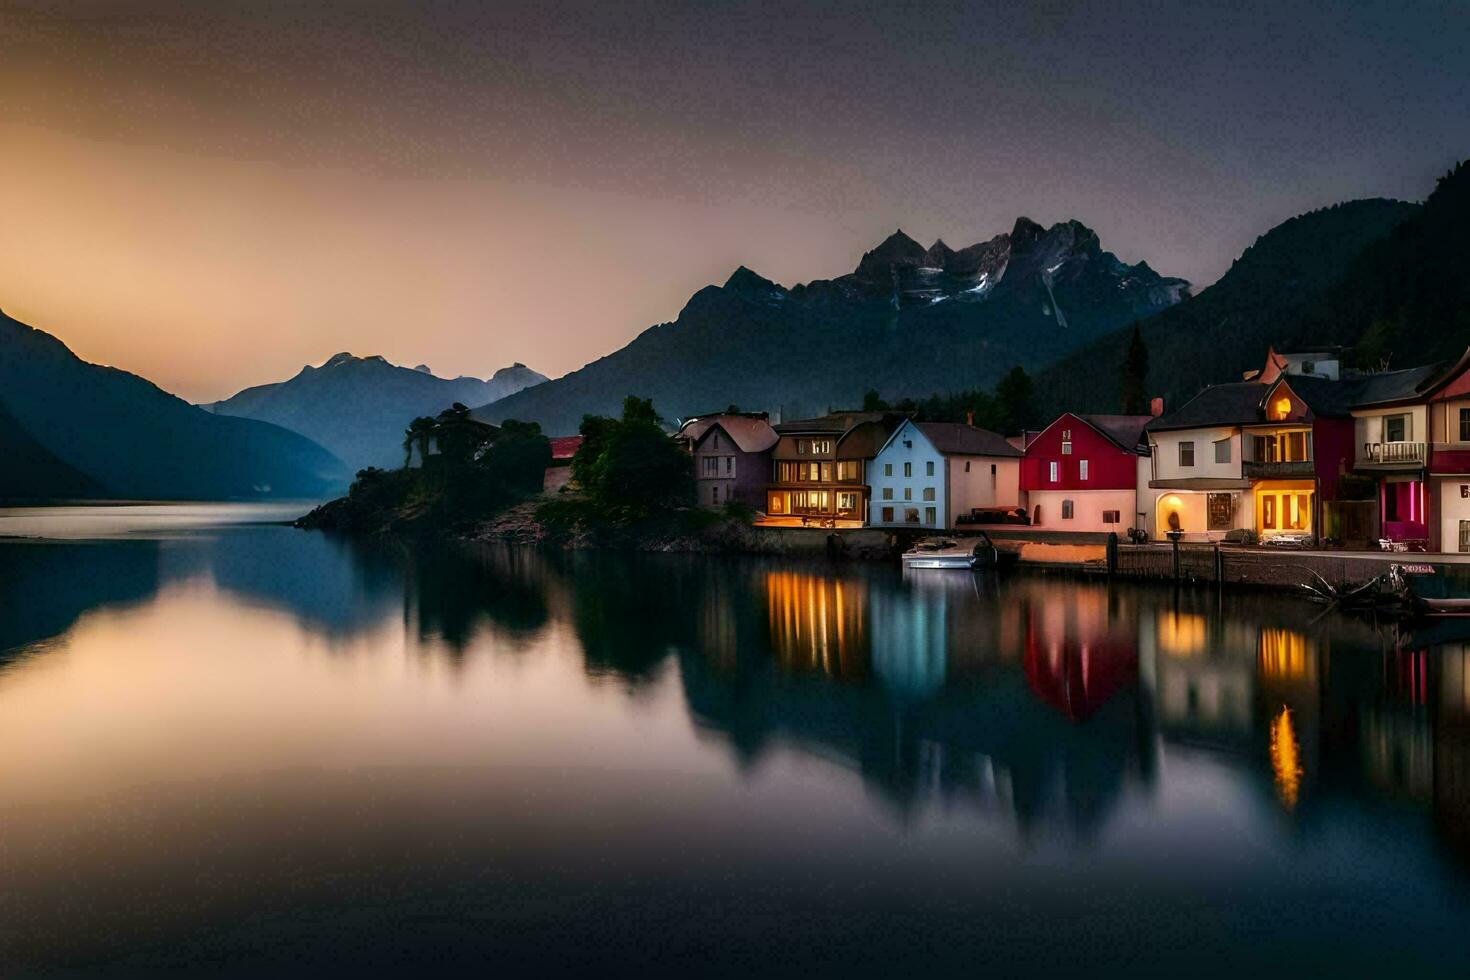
(212, 194)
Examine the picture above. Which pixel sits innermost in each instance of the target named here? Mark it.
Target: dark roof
(834, 422)
(955, 438)
(1392, 386)
(1325, 397)
(1238, 403)
(1124, 430)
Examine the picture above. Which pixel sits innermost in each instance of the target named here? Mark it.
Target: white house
(928, 474)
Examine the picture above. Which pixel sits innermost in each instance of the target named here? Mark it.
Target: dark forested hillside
(1405, 299)
(1271, 295)
(909, 321)
(97, 430)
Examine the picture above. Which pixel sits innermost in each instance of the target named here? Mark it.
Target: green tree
(518, 457)
(1015, 399)
(629, 467)
(1134, 388)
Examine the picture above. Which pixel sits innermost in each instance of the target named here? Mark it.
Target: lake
(235, 747)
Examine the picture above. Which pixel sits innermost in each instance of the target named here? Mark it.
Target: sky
(214, 194)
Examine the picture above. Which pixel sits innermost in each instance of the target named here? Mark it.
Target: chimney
(970, 418)
(1156, 407)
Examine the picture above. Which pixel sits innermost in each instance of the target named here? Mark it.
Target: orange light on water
(1286, 759)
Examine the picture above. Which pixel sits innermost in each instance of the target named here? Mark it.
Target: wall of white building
(990, 482)
(1166, 454)
(1369, 425)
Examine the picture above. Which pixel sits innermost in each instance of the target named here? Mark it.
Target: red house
(1082, 472)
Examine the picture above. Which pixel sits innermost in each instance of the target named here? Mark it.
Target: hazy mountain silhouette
(358, 407)
(94, 430)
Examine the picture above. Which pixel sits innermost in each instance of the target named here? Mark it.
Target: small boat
(967, 552)
(1428, 592)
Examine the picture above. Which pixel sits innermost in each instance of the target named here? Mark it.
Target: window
(847, 469)
(992, 476)
(1082, 469)
(1112, 517)
(887, 515)
(1465, 425)
(1280, 408)
(928, 493)
(714, 494)
(1066, 510)
(911, 515)
(711, 466)
(887, 493)
(887, 469)
(801, 447)
(1396, 428)
(1066, 442)
(813, 472)
(908, 469)
(1051, 469)
(1309, 367)
(908, 493)
(1268, 512)
(929, 468)
(826, 472)
(1295, 450)
(847, 503)
(967, 466)
(930, 516)
(1222, 451)
(714, 440)
(729, 465)
(1464, 529)
(1218, 510)
(821, 447)
(1186, 454)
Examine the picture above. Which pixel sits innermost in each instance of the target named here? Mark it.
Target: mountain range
(1383, 279)
(358, 407)
(907, 319)
(70, 428)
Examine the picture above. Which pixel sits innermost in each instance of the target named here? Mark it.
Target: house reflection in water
(1078, 654)
(817, 623)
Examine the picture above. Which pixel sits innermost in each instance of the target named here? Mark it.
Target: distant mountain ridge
(358, 407)
(70, 428)
(1278, 292)
(908, 320)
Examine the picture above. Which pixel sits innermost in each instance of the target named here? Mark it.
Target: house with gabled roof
(1082, 473)
(1250, 456)
(820, 466)
(732, 459)
(930, 474)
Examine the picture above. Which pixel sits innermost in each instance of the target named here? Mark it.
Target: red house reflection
(1078, 654)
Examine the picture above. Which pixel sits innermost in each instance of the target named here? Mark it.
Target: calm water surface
(252, 750)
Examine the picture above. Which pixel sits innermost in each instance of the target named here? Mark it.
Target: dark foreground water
(258, 751)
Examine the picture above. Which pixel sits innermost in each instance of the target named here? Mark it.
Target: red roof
(563, 448)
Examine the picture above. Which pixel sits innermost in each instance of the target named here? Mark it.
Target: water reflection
(532, 701)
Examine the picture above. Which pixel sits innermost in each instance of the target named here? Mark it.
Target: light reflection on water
(270, 750)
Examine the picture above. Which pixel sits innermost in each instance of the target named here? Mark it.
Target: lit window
(928, 493)
(1052, 468)
(1082, 469)
(1281, 408)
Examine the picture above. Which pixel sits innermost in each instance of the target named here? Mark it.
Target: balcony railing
(1296, 469)
(1393, 454)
